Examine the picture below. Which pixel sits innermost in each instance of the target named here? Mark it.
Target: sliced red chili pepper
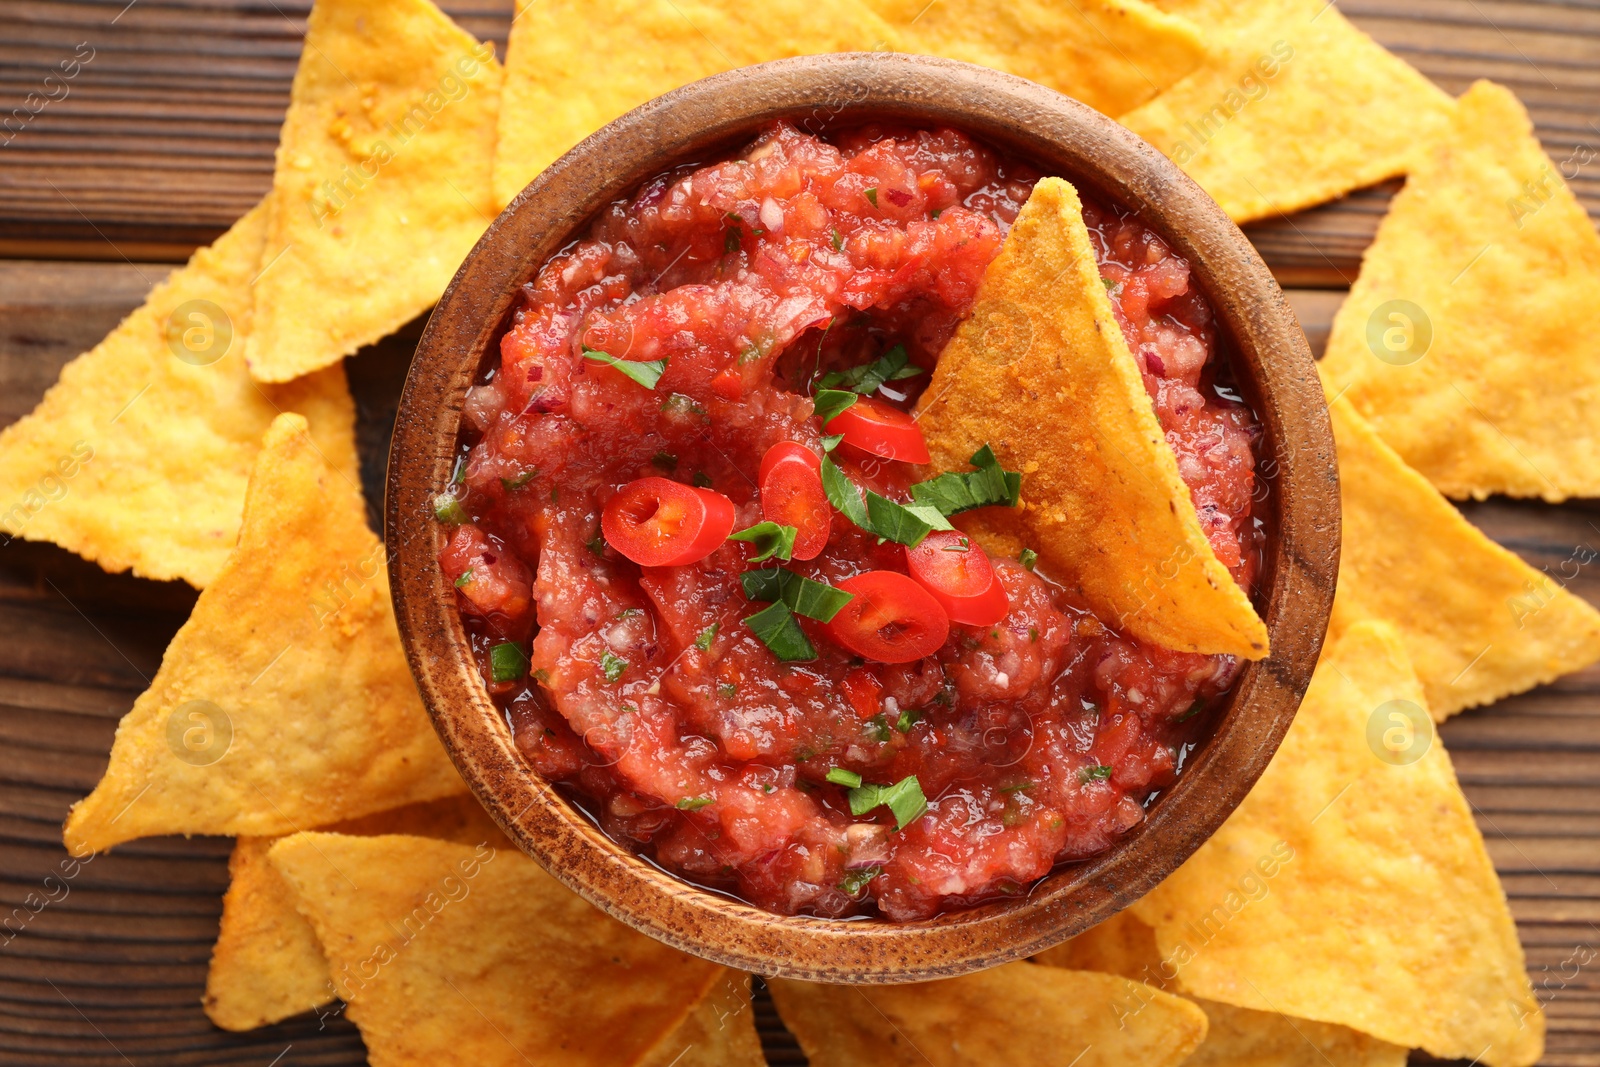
(791, 495)
(657, 522)
(957, 572)
(882, 429)
(892, 619)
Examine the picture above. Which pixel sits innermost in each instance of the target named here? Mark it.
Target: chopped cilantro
(701, 479)
(1194, 709)
(725, 690)
(838, 242)
(847, 778)
(954, 493)
(510, 484)
(866, 378)
(1028, 558)
(708, 635)
(730, 242)
(856, 880)
(879, 725)
(775, 625)
(646, 372)
(904, 799)
(1033, 635)
(770, 538)
(830, 441)
(935, 212)
(507, 662)
(541, 676)
(829, 402)
(814, 600)
(692, 803)
(1094, 774)
(448, 510)
(1016, 787)
(907, 524)
(466, 576)
(963, 545)
(597, 543)
(872, 196)
(664, 461)
(909, 717)
(613, 665)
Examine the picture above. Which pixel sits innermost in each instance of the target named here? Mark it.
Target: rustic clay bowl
(1063, 137)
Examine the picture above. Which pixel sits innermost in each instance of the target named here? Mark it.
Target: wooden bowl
(1063, 137)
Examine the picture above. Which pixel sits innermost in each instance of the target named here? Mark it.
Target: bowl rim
(1272, 361)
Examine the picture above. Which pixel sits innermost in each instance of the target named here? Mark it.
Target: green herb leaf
(1194, 709)
(814, 600)
(770, 538)
(692, 803)
(829, 402)
(872, 196)
(1094, 774)
(701, 479)
(1028, 558)
(866, 378)
(727, 690)
(466, 576)
(507, 662)
(838, 242)
(841, 776)
(613, 665)
(510, 484)
(448, 510)
(597, 543)
(842, 493)
(1018, 787)
(830, 441)
(857, 880)
(989, 485)
(730, 243)
(460, 475)
(708, 635)
(904, 799)
(646, 372)
(777, 628)
(878, 515)
(909, 717)
(664, 461)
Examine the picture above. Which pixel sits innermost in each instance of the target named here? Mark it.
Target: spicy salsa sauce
(988, 750)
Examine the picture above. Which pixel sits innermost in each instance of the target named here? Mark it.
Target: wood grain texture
(167, 136)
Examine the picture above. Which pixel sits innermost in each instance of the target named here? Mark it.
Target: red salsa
(874, 717)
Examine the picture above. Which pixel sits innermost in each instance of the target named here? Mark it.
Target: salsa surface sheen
(1035, 740)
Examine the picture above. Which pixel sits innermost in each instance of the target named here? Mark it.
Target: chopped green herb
(904, 799)
(769, 788)
(842, 493)
(708, 635)
(830, 441)
(730, 243)
(872, 196)
(597, 543)
(628, 613)
(677, 404)
(448, 510)
(962, 545)
(1017, 787)
(1033, 634)
(726, 690)
(1028, 558)
(555, 493)
(692, 803)
(664, 461)
(541, 676)
(855, 881)
(701, 479)
(847, 778)
(613, 665)
(935, 212)
(507, 662)
(814, 600)
(511, 484)
(907, 524)
(770, 538)
(1194, 709)
(838, 242)
(1094, 774)
(879, 725)
(775, 625)
(866, 378)
(909, 717)
(954, 493)
(829, 402)
(466, 576)
(460, 475)
(646, 372)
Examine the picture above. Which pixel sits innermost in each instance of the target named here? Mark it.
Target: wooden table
(166, 136)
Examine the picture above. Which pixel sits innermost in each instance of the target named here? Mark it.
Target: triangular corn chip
(137, 458)
(267, 964)
(1016, 1013)
(1352, 879)
(1294, 107)
(1468, 338)
(719, 1032)
(285, 701)
(1111, 54)
(1477, 622)
(449, 954)
(1102, 501)
(554, 98)
(382, 180)
(1236, 1037)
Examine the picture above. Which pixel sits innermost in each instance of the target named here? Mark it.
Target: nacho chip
(137, 458)
(449, 954)
(1467, 339)
(719, 1032)
(1477, 622)
(1236, 1037)
(553, 98)
(1111, 54)
(267, 964)
(1017, 1013)
(382, 180)
(1352, 879)
(1294, 107)
(1102, 502)
(285, 700)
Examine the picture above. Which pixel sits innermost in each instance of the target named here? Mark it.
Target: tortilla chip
(719, 1032)
(285, 700)
(1352, 880)
(1294, 107)
(1468, 338)
(382, 180)
(1102, 502)
(137, 458)
(1476, 621)
(1236, 1037)
(1111, 54)
(267, 964)
(1017, 1013)
(554, 99)
(449, 954)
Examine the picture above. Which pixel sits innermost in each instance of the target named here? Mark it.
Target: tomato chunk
(791, 495)
(882, 429)
(657, 522)
(956, 571)
(892, 619)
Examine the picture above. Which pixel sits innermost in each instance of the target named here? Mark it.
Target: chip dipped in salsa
(723, 601)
